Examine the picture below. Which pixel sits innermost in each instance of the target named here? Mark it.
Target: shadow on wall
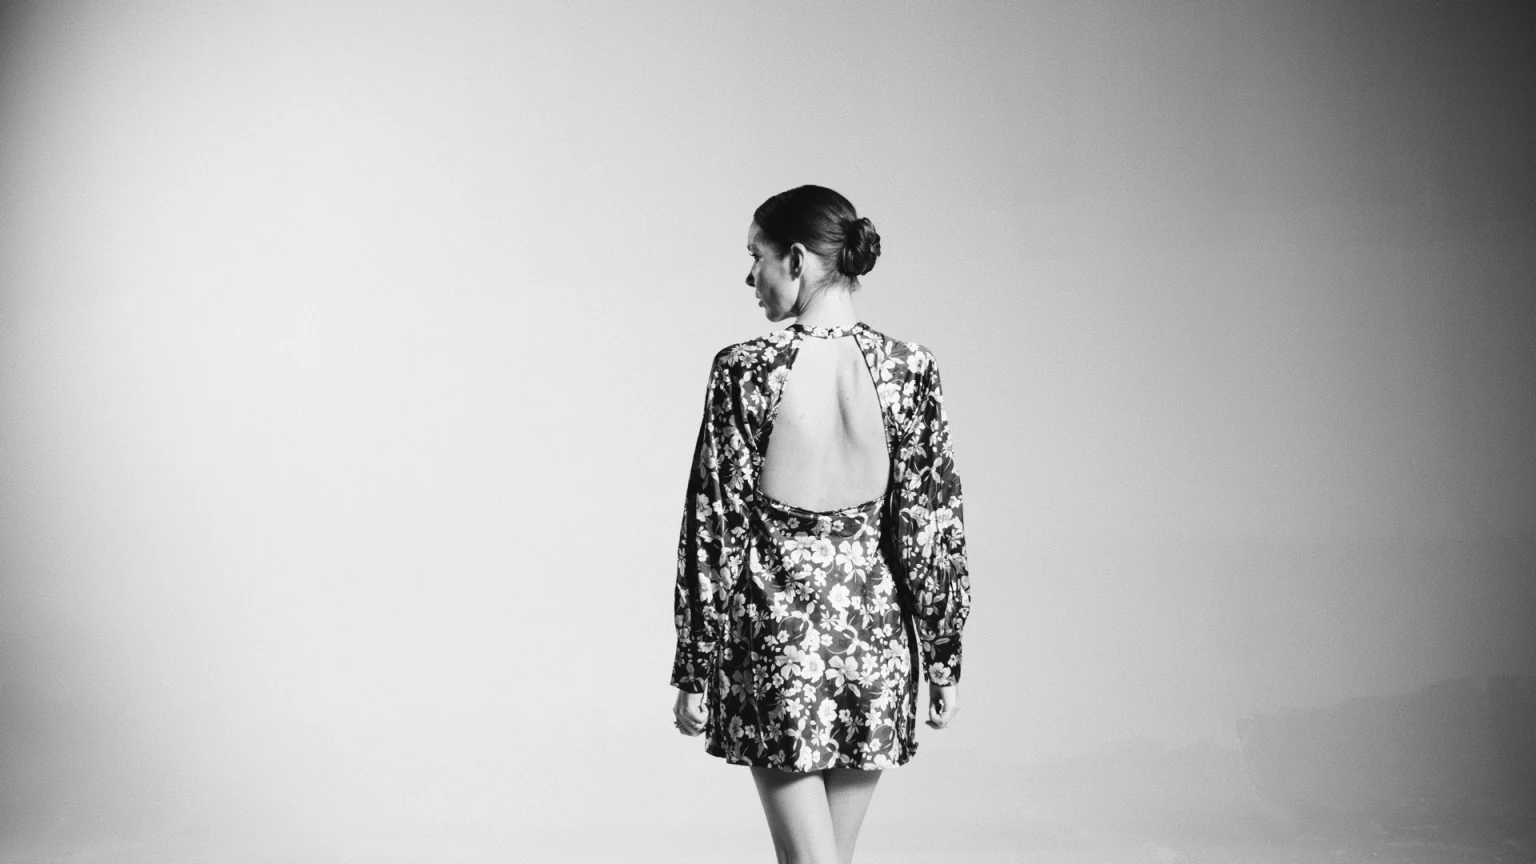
(1454, 760)
(1450, 765)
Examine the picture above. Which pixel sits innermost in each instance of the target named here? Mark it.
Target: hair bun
(861, 246)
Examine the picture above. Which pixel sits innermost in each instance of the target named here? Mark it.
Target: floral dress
(806, 629)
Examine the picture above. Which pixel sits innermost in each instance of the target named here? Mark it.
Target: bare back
(826, 449)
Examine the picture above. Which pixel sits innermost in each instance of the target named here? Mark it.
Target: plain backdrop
(352, 356)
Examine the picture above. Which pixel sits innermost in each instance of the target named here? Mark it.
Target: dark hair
(823, 222)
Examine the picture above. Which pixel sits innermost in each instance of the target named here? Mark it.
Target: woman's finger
(950, 707)
(940, 712)
(686, 723)
(688, 713)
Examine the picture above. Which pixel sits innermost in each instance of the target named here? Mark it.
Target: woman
(822, 525)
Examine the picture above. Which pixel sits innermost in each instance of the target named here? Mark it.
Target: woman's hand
(689, 712)
(942, 704)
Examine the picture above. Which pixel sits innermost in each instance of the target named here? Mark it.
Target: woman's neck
(830, 308)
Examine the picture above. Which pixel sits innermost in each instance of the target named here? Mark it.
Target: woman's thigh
(798, 815)
(848, 794)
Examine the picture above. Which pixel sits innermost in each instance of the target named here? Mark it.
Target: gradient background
(352, 356)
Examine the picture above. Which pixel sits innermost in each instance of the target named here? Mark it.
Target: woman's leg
(798, 815)
(848, 794)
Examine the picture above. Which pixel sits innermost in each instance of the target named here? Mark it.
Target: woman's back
(826, 447)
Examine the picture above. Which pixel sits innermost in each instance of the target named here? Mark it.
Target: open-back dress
(806, 628)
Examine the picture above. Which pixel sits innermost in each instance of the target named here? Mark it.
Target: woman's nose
(749, 281)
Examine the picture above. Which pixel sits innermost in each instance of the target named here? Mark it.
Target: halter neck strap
(828, 332)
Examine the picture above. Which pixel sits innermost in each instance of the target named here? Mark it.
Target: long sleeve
(932, 529)
(712, 533)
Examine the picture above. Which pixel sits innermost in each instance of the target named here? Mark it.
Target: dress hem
(746, 763)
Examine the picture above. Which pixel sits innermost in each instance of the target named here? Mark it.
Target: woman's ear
(796, 260)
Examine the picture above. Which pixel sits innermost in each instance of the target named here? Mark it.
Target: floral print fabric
(806, 628)
(825, 680)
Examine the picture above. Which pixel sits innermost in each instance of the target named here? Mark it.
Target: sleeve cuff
(691, 668)
(941, 661)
